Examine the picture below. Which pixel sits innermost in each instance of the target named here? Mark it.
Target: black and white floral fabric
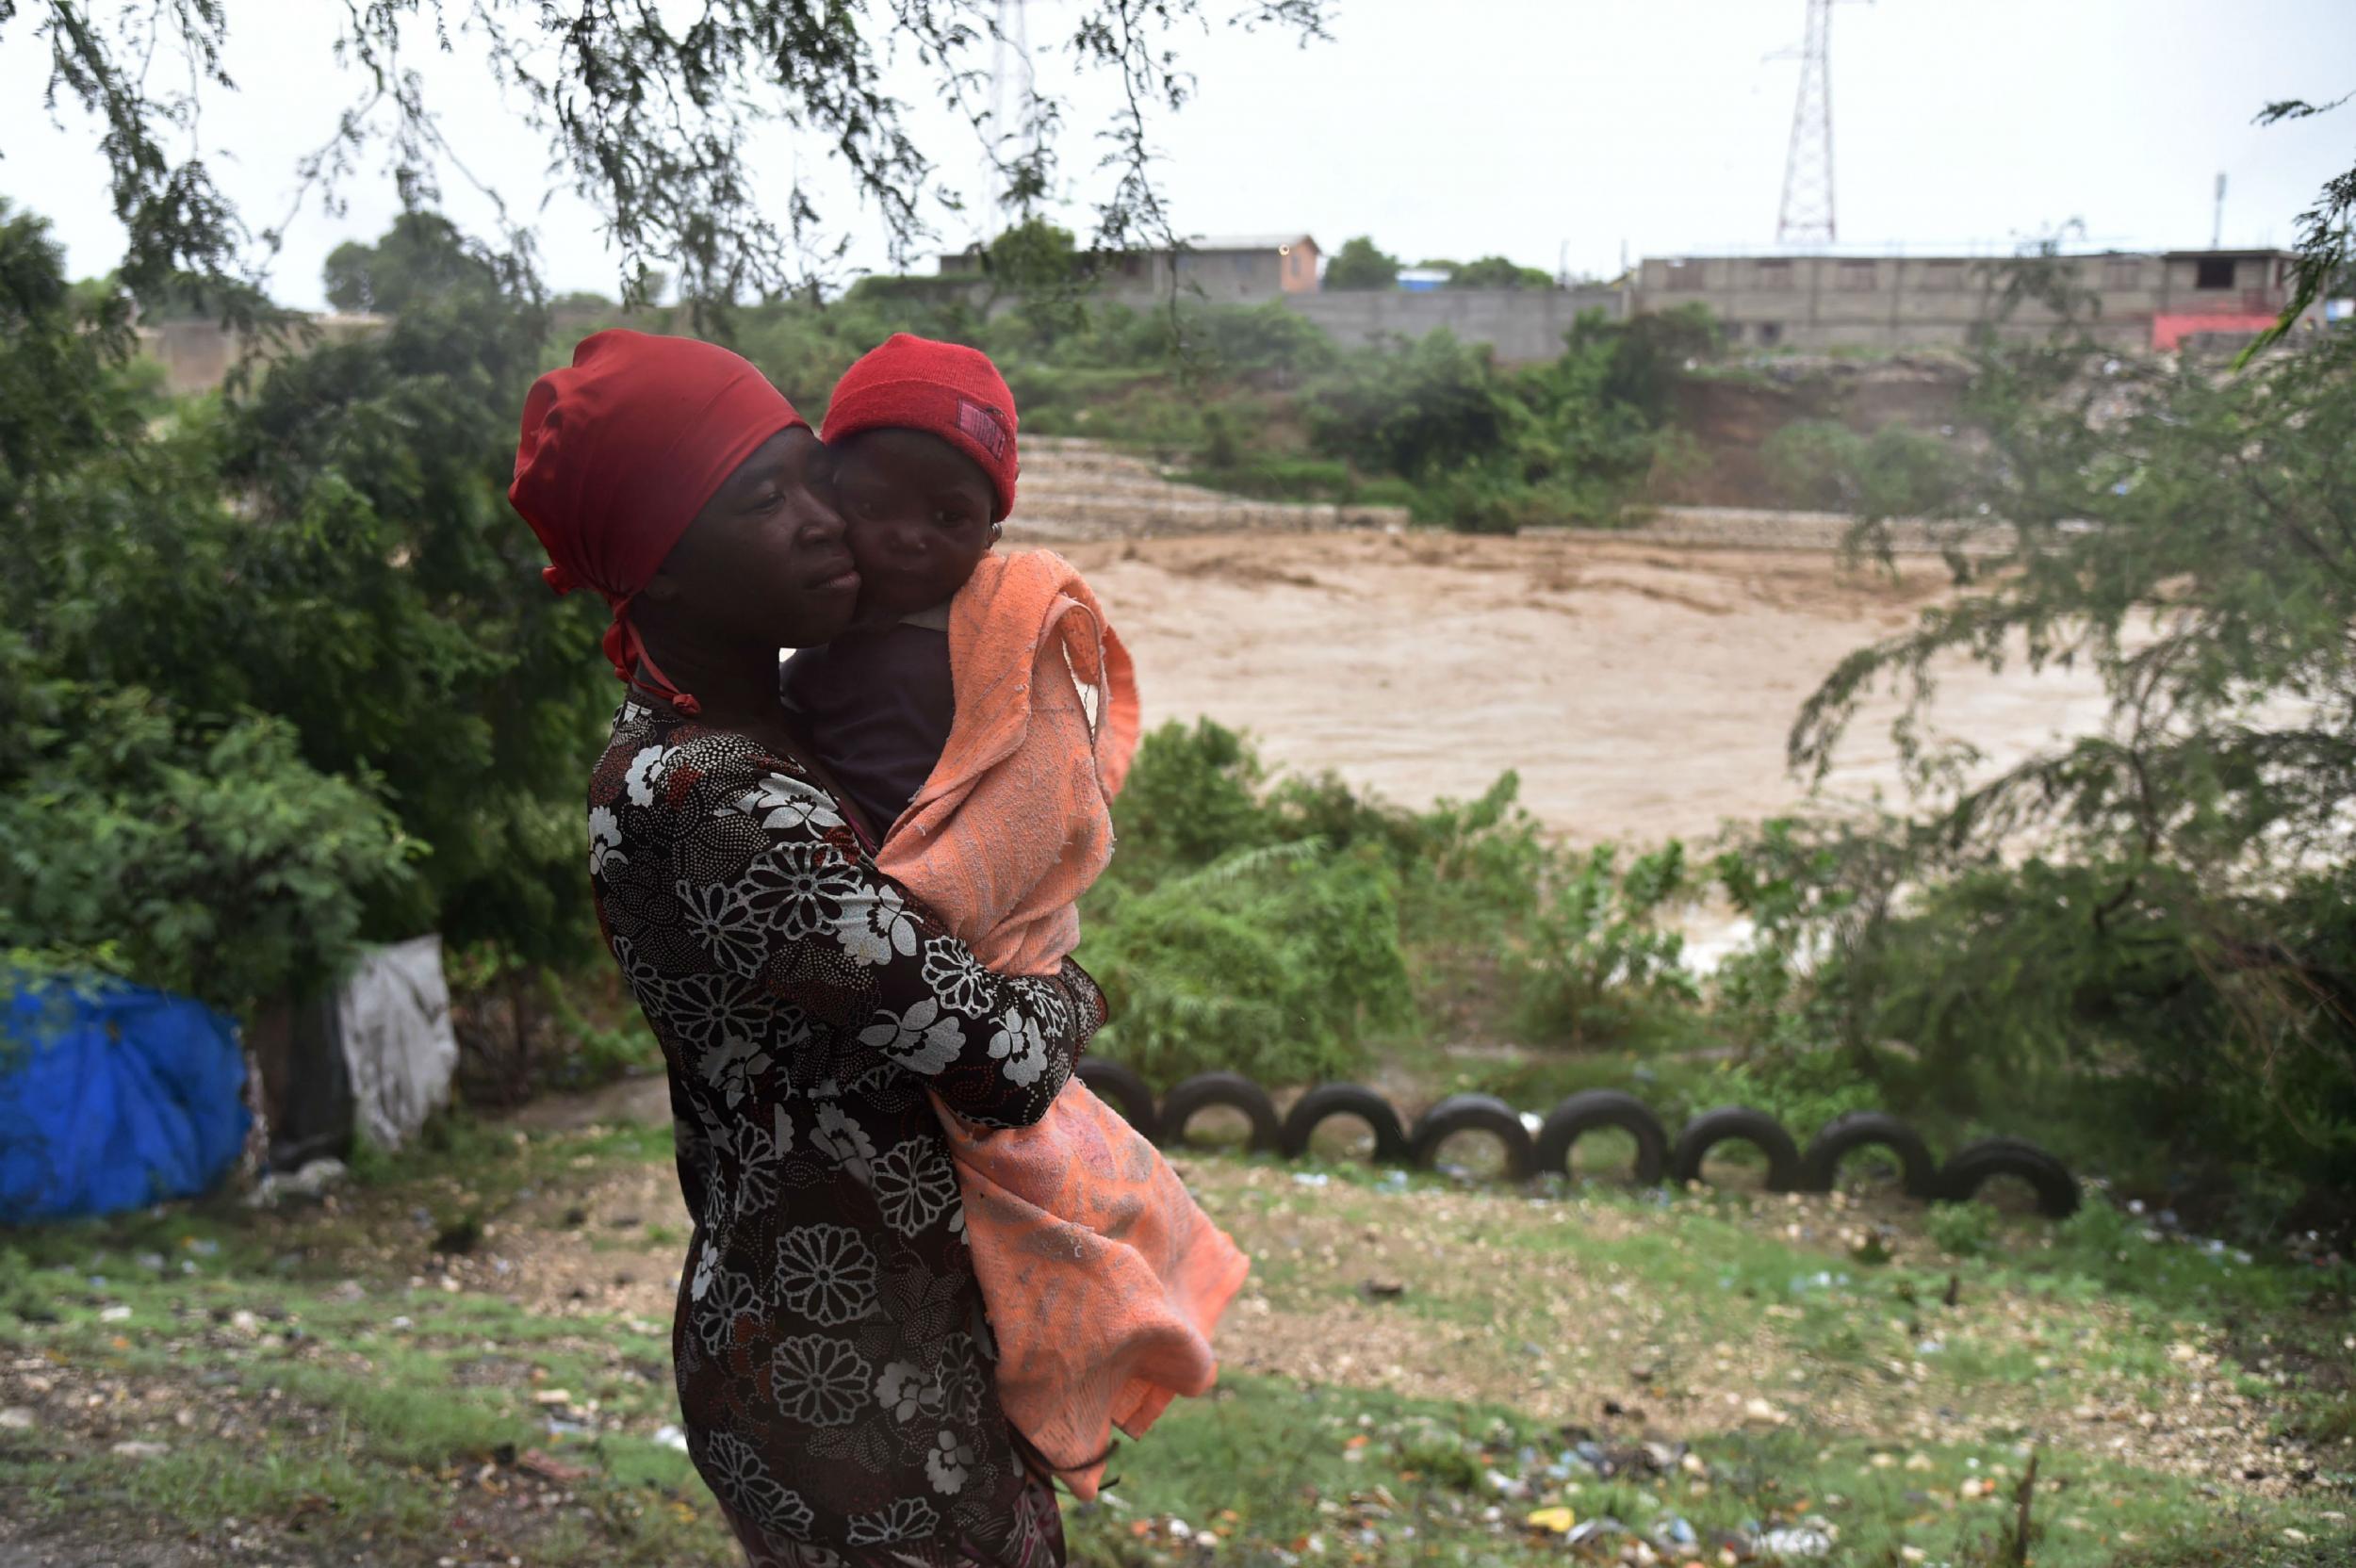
(833, 1359)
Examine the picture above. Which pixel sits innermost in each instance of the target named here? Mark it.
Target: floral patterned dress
(834, 1364)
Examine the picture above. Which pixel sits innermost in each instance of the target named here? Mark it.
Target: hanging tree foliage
(281, 675)
(649, 118)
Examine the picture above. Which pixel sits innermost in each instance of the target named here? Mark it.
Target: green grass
(1270, 1466)
(1281, 478)
(364, 1421)
(368, 1437)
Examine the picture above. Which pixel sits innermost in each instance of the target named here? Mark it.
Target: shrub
(1277, 925)
(1472, 500)
(1894, 472)
(1222, 449)
(1596, 956)
(1192, 797)
(1230, 932)
(1263, 345)
(1961, 1230)
(1273, 960)
(1492, 450)
(1434, 407)
(202, 858)
(163, 820)
(1805, 1090)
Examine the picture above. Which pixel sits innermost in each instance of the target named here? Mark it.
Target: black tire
(1331, 1100)
(1846, 1135)
(1712, 1128)
(1596, 1109)
(1124, 1088)
(1467, 1113)
(1973, 1166)
(1205, 1089)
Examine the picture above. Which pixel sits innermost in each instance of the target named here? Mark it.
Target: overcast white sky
(1547, 130)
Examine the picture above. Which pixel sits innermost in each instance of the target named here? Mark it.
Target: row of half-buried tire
(1789, 1167)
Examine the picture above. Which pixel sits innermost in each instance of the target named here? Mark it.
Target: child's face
(916, 513)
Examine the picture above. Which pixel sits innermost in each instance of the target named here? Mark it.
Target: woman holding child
(824, 1031)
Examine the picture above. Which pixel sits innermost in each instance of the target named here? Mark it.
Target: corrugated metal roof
(1245, 241)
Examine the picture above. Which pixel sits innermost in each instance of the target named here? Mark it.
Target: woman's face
(765, 560)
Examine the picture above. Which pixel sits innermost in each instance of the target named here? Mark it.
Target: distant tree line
(1359, 264)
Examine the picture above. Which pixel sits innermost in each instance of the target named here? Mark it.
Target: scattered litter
(142, 1450)
(313, 1182)
(1310, 1178)
(16, 1418)
(1805, 1541)
(671, 1437)
(548, 1467)
(1558, 1520)
(1505, 1485)
(114, 1314)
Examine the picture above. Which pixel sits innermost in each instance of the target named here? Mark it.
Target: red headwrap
(619, 452)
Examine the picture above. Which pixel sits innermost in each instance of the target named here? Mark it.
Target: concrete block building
(1247, 269)
(1225, 269)
(2147, 300)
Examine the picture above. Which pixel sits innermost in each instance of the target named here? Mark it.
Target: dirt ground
(1641, 691)
(1509, 1298)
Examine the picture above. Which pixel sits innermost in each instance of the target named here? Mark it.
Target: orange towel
(1103, 1276)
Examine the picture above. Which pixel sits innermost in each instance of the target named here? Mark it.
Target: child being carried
(982, 718)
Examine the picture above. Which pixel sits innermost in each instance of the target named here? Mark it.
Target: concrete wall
(1214, 277)
(1521, 324)
(1139, 278)
(198, 355)
(1911, 302)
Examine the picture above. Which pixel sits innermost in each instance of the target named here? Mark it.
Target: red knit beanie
(621, 449)
(945, 389)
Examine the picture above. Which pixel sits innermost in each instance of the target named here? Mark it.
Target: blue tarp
(112, 1096)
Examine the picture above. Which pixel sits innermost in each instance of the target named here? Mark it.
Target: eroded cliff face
(1728, 415)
